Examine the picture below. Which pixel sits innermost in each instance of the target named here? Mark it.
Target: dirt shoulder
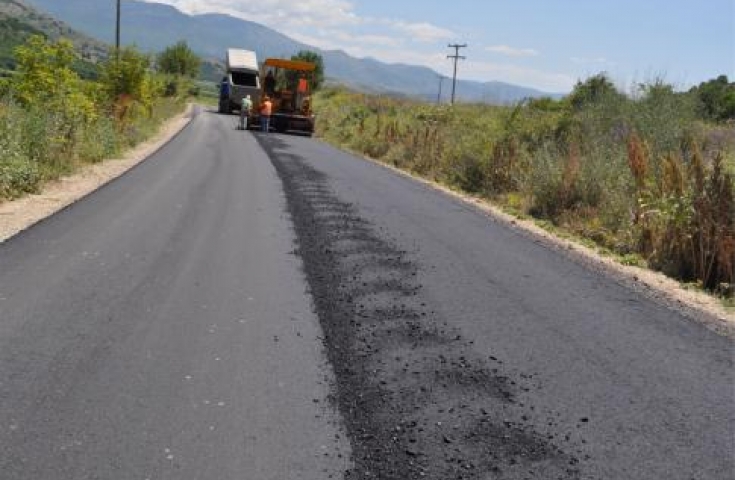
(20, 214)
(695, 304)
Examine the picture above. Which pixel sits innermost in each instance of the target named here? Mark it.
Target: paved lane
(571, 374)
(161, 329)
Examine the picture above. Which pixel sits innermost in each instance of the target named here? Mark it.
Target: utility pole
(117, 28)
(439, 96)
(456, 57)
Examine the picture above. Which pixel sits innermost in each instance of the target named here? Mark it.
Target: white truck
(241, 78)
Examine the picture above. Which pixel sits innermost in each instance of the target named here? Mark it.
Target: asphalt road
(248, 306)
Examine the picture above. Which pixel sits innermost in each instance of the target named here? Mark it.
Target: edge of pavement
(694, 304)
(21, 214)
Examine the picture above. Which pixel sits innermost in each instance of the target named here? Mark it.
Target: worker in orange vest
(302, 89)
(266, 109)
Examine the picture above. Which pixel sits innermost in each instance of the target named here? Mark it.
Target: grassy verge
(52, 119)
(645, 179)
(39, 145)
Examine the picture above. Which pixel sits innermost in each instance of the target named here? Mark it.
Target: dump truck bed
(238, 59)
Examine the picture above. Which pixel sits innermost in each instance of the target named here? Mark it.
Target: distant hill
(19, 21)
(12, 33)
(154, 26)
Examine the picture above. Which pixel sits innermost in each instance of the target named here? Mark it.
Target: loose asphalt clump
(417, 401)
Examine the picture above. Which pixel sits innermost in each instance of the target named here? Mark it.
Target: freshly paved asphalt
(247, 306)
(160, 329)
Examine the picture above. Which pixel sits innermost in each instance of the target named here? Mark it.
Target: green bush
(716, 98)
(179, 60)
(99, 141)
(469, 173)
(18, 177)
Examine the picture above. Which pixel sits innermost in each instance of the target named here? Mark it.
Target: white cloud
(281, 14)
(275, 13)
(423, 32)
(511, 51)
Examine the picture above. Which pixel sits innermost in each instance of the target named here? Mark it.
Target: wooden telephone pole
(117, 28)
(439, 95)
(456, 57)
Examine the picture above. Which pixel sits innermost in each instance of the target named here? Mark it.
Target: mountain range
(18, 21)
(154, 26)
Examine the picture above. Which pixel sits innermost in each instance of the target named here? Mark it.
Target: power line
(456, 58)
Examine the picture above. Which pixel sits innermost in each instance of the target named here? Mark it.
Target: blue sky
(546, 44)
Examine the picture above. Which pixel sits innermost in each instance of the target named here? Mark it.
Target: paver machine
(288, 84)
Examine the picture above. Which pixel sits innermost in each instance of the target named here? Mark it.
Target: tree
(717, 98)
(47, 80)
(316, 59)
(125, 73)
(594, 90)
(126, 80)
(180, 60)
(44, 70)
(656, 90)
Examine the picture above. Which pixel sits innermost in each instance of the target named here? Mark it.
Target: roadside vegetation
(648, 176)
(52, 120)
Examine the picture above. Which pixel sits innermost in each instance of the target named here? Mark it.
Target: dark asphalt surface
(243, 306)
(160, 329)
